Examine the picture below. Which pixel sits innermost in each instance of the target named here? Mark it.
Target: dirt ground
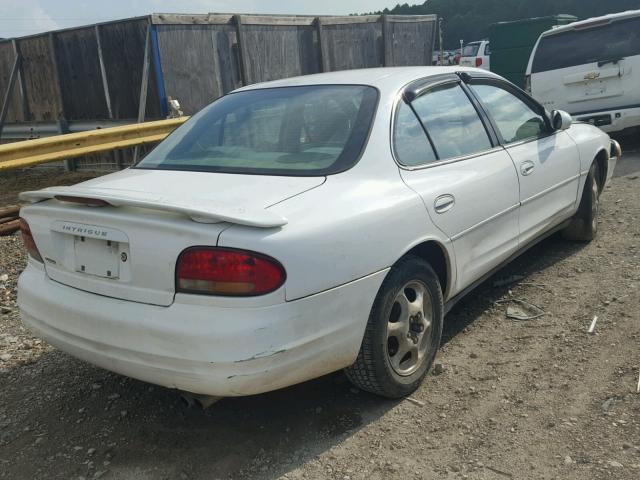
(538, 399)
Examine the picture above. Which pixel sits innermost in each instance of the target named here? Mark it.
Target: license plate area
(97, 257)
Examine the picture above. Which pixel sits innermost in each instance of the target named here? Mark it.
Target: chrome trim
(507, 146)
(615, 150)
(550, 189)
(485, 221)
(449, 160)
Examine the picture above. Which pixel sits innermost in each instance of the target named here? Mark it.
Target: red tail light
(478, 62)
(227, 272)
(29, 242)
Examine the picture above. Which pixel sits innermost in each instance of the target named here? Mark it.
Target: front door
(547, 162)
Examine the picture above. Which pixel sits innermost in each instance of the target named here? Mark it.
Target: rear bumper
(202, 349)
(611, 120)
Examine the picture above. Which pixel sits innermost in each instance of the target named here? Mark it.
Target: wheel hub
(409, 328)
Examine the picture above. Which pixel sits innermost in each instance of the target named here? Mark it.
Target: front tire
(403, 332)
(584, 225)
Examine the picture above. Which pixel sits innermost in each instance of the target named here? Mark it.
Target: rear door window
(515, 119)
(451, 122)
(613, 41)
(470, 50)
(410, 142)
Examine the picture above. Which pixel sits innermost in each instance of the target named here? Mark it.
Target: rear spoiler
(198, 210)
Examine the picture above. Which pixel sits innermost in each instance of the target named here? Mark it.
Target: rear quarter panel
(341, 232)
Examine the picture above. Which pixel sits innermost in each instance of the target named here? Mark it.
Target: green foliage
(470, 19)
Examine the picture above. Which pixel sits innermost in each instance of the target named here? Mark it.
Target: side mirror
(561, 120)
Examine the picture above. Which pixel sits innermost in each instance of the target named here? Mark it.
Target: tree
(470, 19)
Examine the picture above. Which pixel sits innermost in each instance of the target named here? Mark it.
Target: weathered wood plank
(6, 99)
(81, 83)
(198, 63)
(350, 20)
(123, 55)
(187, 19)
(322, 49)
(357, 45)
(243, 54)
(23, 113)
(144, 83)
(412, 18)
(41, 81)
(409, 44)
(7, 59)
(279, 51)
(283, 20)
(103, 73)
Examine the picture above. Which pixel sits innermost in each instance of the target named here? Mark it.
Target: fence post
(242, 51)
(142, 106)
(21, 85)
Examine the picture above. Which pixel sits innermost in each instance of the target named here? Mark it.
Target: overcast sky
(25, 17)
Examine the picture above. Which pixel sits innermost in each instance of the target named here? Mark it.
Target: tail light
(527, 83)
(478, 62)
(227, 272)
(29, 242)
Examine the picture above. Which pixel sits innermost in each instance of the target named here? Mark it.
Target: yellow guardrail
(73, 145)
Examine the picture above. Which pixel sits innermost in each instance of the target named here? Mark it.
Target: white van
(590, 69)
(476, 54)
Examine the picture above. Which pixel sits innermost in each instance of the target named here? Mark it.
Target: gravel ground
(538, 399)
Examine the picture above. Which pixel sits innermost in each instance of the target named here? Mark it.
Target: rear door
(547, 161)
(590, 67)
(469, 187)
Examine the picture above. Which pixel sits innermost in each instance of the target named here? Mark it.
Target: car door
(468, 184)
(547, 161)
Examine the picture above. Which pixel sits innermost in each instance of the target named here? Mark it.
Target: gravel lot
(536, 399)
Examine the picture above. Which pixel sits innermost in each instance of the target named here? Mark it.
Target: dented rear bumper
(221, 351)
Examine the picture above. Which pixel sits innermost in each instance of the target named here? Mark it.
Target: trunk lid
(128, 248)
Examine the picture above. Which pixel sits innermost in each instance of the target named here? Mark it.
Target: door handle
(527, 167)
(444, 203)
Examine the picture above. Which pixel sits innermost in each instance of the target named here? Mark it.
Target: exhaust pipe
(196, 400)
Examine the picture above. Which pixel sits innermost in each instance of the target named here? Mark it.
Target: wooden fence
(127, 70)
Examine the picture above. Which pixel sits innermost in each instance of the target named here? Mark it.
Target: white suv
(591, 69)
(476, 54)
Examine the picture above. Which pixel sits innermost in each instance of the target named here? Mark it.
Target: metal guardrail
(62, 147)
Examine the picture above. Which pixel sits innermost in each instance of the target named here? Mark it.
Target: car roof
(387, 79)
(595, 20)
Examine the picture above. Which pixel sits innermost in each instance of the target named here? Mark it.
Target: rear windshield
(612, 41)
(309, 130)
(470, 50)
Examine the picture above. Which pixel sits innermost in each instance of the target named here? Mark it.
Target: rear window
(613, 41)
(470, 50)
(306, 131)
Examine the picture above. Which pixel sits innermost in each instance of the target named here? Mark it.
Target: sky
(26, 17)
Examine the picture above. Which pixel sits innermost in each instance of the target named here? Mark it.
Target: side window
(452, 122)
(410, 143)
(487, 49)
(514, 118)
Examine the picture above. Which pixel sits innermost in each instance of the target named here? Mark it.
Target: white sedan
(298, 227)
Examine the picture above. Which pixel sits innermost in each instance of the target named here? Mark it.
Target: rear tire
(403, 332)
(584, 224)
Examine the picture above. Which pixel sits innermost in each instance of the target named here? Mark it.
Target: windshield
(470, 50)
(308, 130)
